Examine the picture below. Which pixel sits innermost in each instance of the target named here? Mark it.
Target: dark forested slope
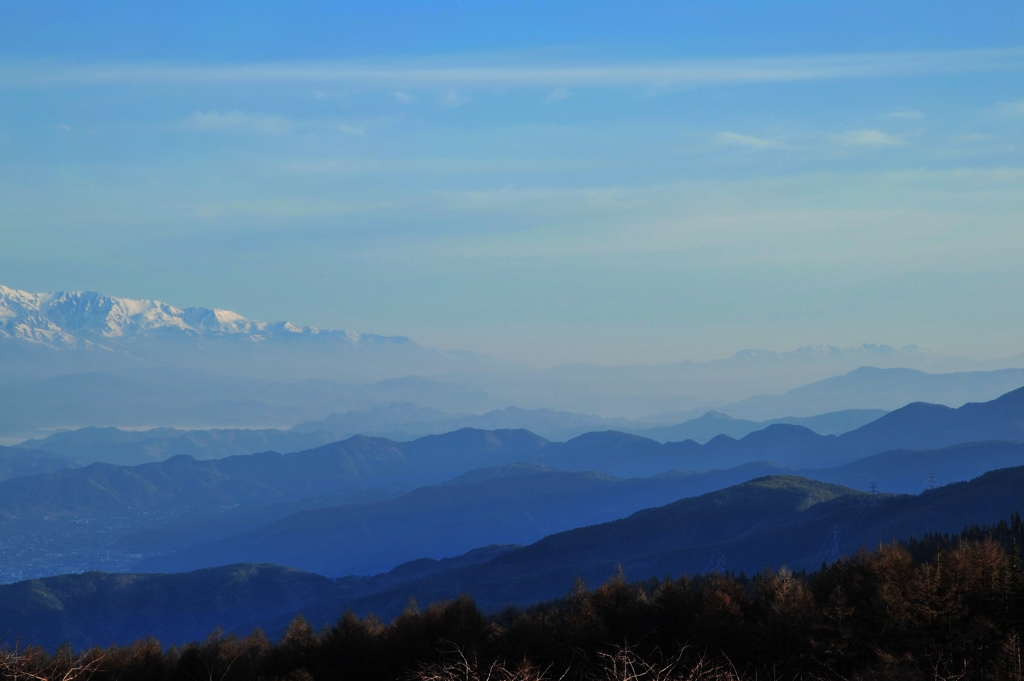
(764, 523)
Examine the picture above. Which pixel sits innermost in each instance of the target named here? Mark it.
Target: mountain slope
(766, 522)
(923, 426)
(914, 426)
(515, 504)
(99, 609)
(905, 471)
(15, 462)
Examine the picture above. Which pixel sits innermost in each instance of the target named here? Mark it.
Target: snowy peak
(71, 318)
(866, 352)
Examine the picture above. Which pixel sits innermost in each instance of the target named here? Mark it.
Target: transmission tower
(931, 484)
(874, 489)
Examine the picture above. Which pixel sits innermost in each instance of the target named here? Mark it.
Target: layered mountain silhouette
(400, 422)
(915, 426)
(131, 447)
(362, 464)
(768, 522)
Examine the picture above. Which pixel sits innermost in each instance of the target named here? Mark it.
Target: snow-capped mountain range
(74, 359)
(83, 318)
(868, 352)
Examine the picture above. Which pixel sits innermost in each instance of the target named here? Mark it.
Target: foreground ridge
(957, 613)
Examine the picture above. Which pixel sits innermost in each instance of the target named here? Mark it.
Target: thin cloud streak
(869, 138)
(908, 114)
(237, 121)
(736, 139)
(663, 74)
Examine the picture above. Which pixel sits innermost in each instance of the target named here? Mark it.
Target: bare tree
(18, 665)
(623, 664)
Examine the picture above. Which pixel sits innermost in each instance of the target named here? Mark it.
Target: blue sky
(548, 182)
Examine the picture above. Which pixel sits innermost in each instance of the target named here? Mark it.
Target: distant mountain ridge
(714, 423)
(879, 388)
(399, 422)
(361, 463)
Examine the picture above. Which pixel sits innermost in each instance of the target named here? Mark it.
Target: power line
(833, 554)
(830, 548)
(716, 563)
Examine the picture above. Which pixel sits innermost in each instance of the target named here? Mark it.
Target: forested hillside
(913, 614)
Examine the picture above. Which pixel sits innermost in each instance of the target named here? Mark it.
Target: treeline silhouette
(938, 607)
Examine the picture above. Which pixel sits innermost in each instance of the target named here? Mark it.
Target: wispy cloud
(452, 98)
(348, 128)
(237, 121)
(869, 138)
(287, 207)
(738, 140)
(403, 97)
(655, 74)
(1011, 109)
(557, 95)
(909, 114)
